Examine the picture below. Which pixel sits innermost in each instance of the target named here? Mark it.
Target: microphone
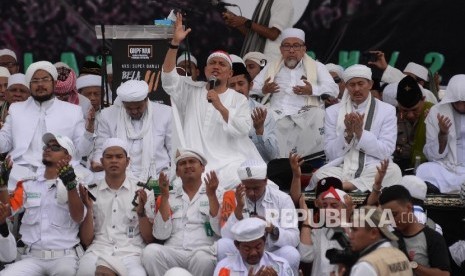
(211, 84)
(219, 4)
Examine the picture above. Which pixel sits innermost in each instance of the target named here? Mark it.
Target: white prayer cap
(455, 90)
(41, 65)
(8, 52)
(177, 271)
(133, 91)
(236, 59)
(417, 70)
(390, 94)
(252, 169)
(88, 81)
(113, 263)
(337, 194)
(61, 64)
(110, 69)
(115, 142)
(4, 72)
(457, 251)
(257, 57)
(183, 57)
(293, 32)
(185, 153)
(415, 186)
(357, 71)
(248, 229)
(63, 141)
(338, 69)
(221, 54)
(18, 78)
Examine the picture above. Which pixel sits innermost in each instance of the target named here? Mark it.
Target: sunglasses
(54, 148)
(337, 80)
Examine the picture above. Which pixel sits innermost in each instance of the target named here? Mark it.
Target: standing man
(53, 211)
(144, 125)
(90, 86)
(215, 120)
(360, 131)
(186, 219)
(262, 32)
(17, 91)
(114, 229)
(28, 121)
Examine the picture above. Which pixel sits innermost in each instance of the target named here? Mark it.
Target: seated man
(254, 62)
(186, 219)
(444, 141)
(250, 238)
(426, 248)
(186, 65)
(411, 126)
(256, 198)
(8, 60)
(336, 71)
(360, 131)
(377, 256)
(53, 211)
(113, 227)
(17, 91)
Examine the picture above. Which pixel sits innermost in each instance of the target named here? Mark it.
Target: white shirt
(116, 224)
(186, 227)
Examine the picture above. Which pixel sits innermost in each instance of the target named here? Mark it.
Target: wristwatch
(413, 265)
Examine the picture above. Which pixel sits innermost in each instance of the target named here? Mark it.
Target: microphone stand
(104, 85)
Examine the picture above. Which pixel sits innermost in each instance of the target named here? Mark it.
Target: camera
(368, 57)
(343, 256)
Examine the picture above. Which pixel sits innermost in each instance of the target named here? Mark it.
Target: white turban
(115, 142)
(61, 64)
(236, 59)
(357, 71)
(221, 54)
(248, 229)
(415, 186)
(4, 72)
(417, 70)
(8, 52)
(390, 94)
(17, 79)
(88, 81)
(252, 169)
(338, 69)
(41, 65)
(185, 153)
(257, 57)
(293, 32)
(133, 91)
(183, 57)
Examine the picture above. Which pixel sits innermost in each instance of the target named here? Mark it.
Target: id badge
(208, 229)
(130, 233)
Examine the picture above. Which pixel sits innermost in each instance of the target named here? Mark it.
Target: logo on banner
(140, 51)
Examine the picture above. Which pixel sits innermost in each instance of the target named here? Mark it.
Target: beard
(42, 98)
(46, 162)
(291, 63)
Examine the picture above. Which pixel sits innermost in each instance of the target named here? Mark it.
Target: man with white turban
(360, 132)
(28, 121)
(336, 71)
(215, 120)
(186, 65)
(4, 75)
(254, 62)
(445, 145)
(9, 60)
(144, 125)
(17, 91)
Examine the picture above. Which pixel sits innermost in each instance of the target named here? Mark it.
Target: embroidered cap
(248, 229)
(252, 169)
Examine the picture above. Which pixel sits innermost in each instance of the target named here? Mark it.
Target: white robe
(226, 145)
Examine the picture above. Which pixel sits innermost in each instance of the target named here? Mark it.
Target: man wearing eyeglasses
(8, 60)
(336, 71)
(27, 121)
(4, 75)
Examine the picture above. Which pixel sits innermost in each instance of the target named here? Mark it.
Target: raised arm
(179, 34)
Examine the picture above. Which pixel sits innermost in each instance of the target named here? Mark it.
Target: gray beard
(291, 63)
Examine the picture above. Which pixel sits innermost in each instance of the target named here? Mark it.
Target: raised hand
(270, 87)
(140, 209)
(240, 195)
(382, 168)
(295, 161)
(258, 119)
(66, 174)
(380, 62)
(211, 183)
(164, 183)
(179, 32)
(90, 122)
(444, 124)
(85, 198)
(303, 89)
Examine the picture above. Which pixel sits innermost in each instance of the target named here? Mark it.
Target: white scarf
(125, 131)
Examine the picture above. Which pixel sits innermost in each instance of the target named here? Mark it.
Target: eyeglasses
(8, 64)
(295, 47)
(44, 80)
(54, 148)
(337, 80)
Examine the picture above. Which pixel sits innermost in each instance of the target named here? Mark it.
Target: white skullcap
(110, 69)
(133, 91)
(221, 54)
(417, 70)
(8, 52)
(88, 81)
(63, 141)
(390, 94)
(338, 69)
(357, 71)
(177, 271)
(248, 229)
(257, 57)
(115, 142)
(41, 65)
(252, 169)
(185, 153)
(61, 64)
(337, 194)
(457, 251)
(18, 78)
(455, 90)
(236, 59)
(4, 72)
(293, 32)
(183, 57)
(415, 186)
(112, 262)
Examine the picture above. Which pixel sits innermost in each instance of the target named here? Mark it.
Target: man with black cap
(411, 126)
